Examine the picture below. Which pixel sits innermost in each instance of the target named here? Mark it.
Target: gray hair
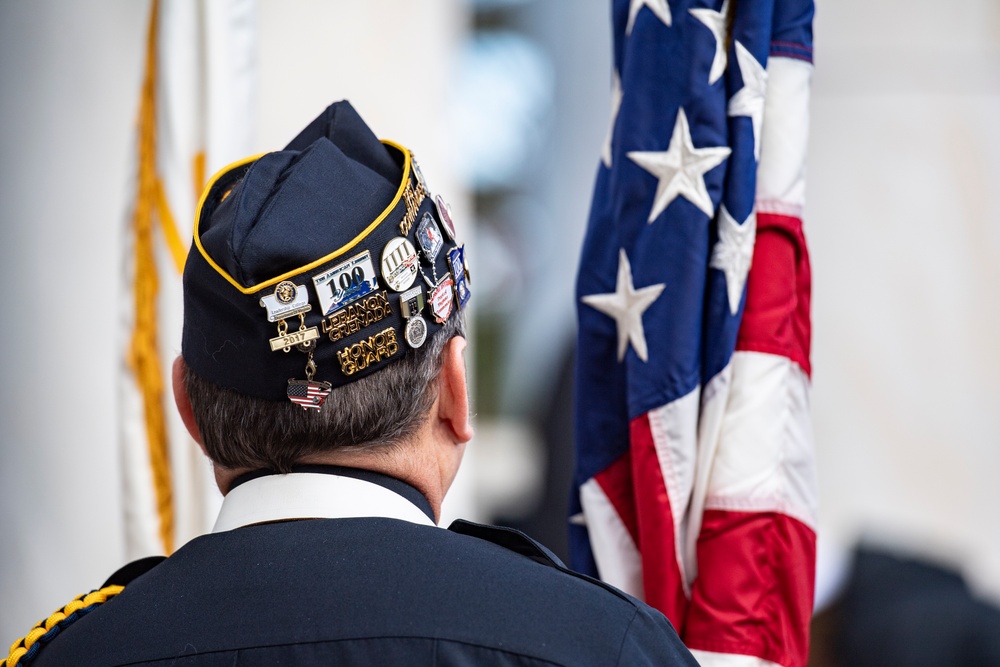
(377, 412)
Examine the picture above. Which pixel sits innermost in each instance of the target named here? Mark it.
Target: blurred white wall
(904, 165)
(70, 75)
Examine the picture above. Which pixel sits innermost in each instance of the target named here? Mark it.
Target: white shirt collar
(306, 495)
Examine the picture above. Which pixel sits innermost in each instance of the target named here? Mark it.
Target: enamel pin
(307, 393)
(356, 316)
(441, 299)
(302, 339)
(411, 302)
(346, 282)
(429, 237)
(416, 331)
(413, 196)
(444, 212)
(367, 352)
(417, 172)
(288, 300)
(456, 260)
(399, 264)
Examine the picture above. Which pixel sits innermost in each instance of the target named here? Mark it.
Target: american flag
(308, 394)
(695, 485)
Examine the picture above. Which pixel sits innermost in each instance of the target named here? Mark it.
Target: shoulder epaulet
(25, 649)
(508, 538)
(515, 540)
(126, 574)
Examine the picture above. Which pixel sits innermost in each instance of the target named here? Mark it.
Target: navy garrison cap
(317, 265)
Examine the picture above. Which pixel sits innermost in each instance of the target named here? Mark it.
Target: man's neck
(411, 462)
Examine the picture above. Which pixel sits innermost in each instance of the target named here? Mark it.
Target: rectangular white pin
(346, 282)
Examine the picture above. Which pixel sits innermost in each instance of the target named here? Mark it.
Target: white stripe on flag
(675, 434)
(618, 560)
(781, 173)
(765, 460)
(709, 659)
(713, 408)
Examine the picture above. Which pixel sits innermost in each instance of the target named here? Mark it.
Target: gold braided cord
(172, 237)
(144, 356)
(23, 645)
(198, 166)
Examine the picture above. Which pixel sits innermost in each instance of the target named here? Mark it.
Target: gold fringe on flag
(144, 357)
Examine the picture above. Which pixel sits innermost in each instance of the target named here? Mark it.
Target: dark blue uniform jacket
(365, 591)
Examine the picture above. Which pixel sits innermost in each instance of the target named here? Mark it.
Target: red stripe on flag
(776, 316)
(616, 482)
(662, 580)
(758, 599)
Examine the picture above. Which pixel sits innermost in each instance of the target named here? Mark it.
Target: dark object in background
(554, 421)
(902, 611)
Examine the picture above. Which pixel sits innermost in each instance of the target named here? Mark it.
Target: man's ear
(183, 401)
(453, 392)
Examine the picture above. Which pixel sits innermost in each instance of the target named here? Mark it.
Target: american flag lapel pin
(308, 393)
